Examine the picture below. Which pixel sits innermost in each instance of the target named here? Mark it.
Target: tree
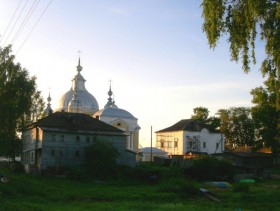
(237, 126)
(35, 112)
(242, 20)
(16, 90)
(267, 120)
(200, 113)
(101, 159)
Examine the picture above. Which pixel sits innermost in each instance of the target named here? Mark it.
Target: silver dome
(78, 99)
(114, 112)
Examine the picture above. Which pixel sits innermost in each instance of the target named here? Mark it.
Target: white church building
(79, 100)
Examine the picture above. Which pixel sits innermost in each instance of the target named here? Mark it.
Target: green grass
(27, 192)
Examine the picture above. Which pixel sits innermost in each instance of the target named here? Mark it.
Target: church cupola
(48, 110)
(111, 102)
(78, 99)
(79, 81)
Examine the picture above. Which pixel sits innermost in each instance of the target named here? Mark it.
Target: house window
(62, 138)
(60, 153)
(204, 145)
(32, 157)
(53, 152)
(77, 154)
(78, 138)
(161, 144)
(88, 139)
(217, 145)
(175, 142)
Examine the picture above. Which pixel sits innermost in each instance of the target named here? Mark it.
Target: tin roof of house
(187, 125)
(74, 122)
(154, 150)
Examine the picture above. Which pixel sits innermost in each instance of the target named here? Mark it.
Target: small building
(187, 136)
(251, 162)
(59, 139)
(146, 153)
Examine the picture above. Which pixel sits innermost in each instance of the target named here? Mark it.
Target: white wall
(208, 141)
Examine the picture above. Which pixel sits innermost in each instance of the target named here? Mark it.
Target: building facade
(188, 136)
(59, 139)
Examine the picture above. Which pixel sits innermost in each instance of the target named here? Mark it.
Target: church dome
(78, 99)
(112, 110)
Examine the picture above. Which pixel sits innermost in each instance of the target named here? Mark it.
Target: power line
(34, 26)
(15, 22)
(9, 63)
(10, 22)
(26, 19)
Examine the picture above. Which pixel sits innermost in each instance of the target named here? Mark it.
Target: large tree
(202, 114)
(238, 127)
(16, 91)
(267, 119)
(243, 22)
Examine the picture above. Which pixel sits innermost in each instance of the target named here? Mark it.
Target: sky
(154, 52)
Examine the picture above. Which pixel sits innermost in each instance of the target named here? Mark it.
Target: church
(79, 100)
(59, 139)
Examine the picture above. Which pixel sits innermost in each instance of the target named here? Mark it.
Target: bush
(101, 160)
(209, 168)
(16, 167)
(149, 172)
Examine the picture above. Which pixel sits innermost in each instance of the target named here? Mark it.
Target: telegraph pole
(151, 143)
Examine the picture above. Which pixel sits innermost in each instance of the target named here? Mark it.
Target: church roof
(78, 98)
(187, 125)
(74, 122)
(112, 110)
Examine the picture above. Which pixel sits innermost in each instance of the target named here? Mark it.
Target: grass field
(27, 192)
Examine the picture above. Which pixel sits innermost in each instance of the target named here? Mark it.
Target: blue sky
(154, 51)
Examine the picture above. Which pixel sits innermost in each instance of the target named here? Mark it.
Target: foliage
(101, 159)
(267, 119)
(202, 114)
(241, 20)
(149, 172)
(208, 168)
(16, 91)
(36, 110)
(238, 127)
